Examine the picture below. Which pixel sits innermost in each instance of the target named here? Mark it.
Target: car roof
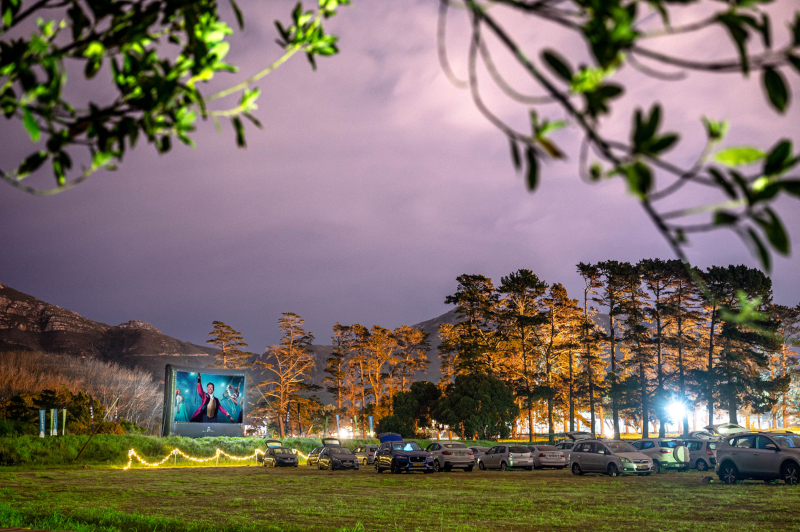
(449, 441)
(389, 436)
(271, 443)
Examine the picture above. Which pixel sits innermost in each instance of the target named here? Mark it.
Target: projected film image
(208, 398)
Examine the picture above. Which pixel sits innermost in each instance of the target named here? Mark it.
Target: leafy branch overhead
(620, 34)
(158, 53)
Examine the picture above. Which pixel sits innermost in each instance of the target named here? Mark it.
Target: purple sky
(374, 185)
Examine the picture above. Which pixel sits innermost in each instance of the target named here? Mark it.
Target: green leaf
(761, 249)
(664, 143)
(725, 218)
(723, 183)
(532, 175)
(94, 50)
(557, 65)
(739, 156)
(795, 61)
(774, 230)
(776, 89)
(31, 125)
(734, 23)
(515, 156)
(31, 164)
(640, 179)
(778, 158)
(238, 13)
(237, 125)
(791, 187)
(716, 130)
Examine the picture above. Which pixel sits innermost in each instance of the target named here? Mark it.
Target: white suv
(763, 456)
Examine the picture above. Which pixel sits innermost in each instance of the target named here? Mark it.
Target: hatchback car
(761, 456)
(267, 444)
(506, 457)
(565, 446)
(448, 455)
(702, 454)
(547, 456)
(478, 451)
(612, 457)
(400, 456)
(666, 453)
(337, 457)
(280, 457)
(366, 454)
(313, 456)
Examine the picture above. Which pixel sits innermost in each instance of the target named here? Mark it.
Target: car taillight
(370, 454)
(471, 452)
(709, 452)
(562, 455)
(447, 452)
(665, 451)
(542, 455)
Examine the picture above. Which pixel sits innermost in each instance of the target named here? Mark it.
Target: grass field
(233, 499)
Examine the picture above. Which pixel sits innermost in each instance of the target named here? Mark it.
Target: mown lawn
(233, 499)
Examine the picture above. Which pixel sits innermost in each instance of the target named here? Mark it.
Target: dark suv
(763, 456)
(399, 456)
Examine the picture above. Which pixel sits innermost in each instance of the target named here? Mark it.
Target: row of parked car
(733, 451)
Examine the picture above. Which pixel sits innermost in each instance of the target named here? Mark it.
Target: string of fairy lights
(132, 454)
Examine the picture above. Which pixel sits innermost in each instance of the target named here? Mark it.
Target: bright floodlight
(676, 411)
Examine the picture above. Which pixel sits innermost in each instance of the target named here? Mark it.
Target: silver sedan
(547, 456)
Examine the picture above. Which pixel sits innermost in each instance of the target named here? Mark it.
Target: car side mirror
(771, 446)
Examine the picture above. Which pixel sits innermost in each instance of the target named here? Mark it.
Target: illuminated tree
(591, 336)
(288, 365)
(229, 343)
(782, 362)
(336, 364)
(411, 353)
(159, 54)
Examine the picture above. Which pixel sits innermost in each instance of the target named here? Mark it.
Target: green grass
(245, 499)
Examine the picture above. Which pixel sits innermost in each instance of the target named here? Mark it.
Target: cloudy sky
(373, 186)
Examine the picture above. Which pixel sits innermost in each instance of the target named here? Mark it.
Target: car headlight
(625, 460)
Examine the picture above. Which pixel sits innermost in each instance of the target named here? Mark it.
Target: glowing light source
(177, 452)
(676, 411)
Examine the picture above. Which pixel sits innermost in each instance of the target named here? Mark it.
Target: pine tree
(229, 343)
(590, 336)
(287, 364)
(336, 364)
(788, 331)
(413, 346)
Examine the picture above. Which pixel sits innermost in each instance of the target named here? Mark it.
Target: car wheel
(613, 470)
(790, 474)
(481, 466)
(503, 466)
(656, 467)
(319, 466)
(702, 465)
(436, 466)
(377, 468)
(729, 474)
(395, 467)
(576, 470)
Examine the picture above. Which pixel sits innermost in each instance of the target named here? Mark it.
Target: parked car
(612, 457)
(448, 455)
(478, 451)
(506, 457)
(565, 446)
(701, 435)
(702, 454)
(267, 444)
(576, 435)
(280, 457)
(547, 456)
(399, 456)
(760, 456)
(313, 456)
(337, 457)
(666, 453)
(725, 429)
(366, 454)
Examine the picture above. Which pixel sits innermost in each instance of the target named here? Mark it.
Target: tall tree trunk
(710, 383)
(571, 394)
(614, 407)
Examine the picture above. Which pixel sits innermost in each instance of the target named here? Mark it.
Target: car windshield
(340, 450)
(788, 440)
(455, 446)
(545, 448)
(518, 449)
(406, 446)
(621, 447)
(282, 450)
(670, 444)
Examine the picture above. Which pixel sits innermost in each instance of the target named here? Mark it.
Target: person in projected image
(181, 415)
(210, 407)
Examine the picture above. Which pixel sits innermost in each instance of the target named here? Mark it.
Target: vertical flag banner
(41, 422)
(370, 424)
(116, 412)
(53, 421)
(91, 411)
(288, 421)
(338, 430)
(64, 424)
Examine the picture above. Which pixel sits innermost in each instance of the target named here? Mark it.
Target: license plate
(418, 465)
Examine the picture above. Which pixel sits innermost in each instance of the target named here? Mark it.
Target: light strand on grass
(177, 452)
(295, 451)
